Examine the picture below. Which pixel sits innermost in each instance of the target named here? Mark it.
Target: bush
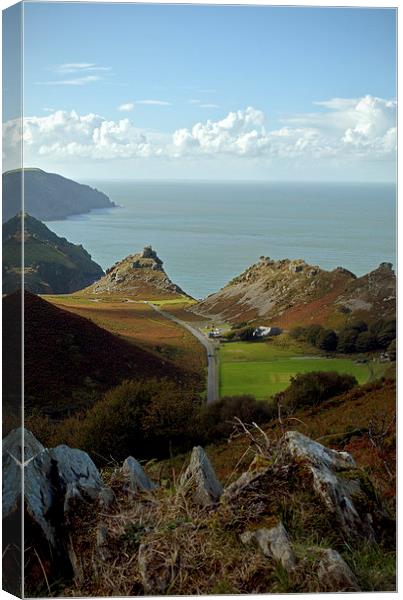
(392, 350)
(144, 419)
(310, 389)
(346, 343)
(312, 333)
(366, 342)
(216, 420)
(327, 340)
(298, 333)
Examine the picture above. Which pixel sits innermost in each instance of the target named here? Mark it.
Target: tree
(313, 332)
(387, 333)
(392, 350)
(347, 340)
(310, 389)
(365, 342)
(327, 340)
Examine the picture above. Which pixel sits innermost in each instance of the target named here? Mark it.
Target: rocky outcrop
(200, 480)
(274, 543)
(138, 480)
(139, 276)
(333, 572)
(55, 480)
(292, 292)
(335, 480)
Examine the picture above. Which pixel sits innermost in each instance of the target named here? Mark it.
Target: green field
(263, 369)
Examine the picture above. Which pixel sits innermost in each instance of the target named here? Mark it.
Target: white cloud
(154, 102)
(363, 128)
(67, 135)
(76, 81)
(127, 107)
(80, 67)
(342, 132)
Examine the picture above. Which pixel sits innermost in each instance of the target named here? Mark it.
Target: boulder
(200, 479)
(335, 480)
(55, 481)
(138, 480)
(334, 574)
(274, 543)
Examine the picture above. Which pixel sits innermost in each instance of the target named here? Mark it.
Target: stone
(155, 570)
(201, 479)
(329, 469)
(274, 543)
(334, 574)
(138, 480)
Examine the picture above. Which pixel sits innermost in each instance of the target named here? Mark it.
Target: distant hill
(68, 360)
(291, 292)
(52, 265)
(139, 276)
(48, 196)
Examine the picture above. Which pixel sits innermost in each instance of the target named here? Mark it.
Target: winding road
(211, 350)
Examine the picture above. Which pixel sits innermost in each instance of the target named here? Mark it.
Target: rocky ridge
(139, 276)
(139, 536)
(292, 292)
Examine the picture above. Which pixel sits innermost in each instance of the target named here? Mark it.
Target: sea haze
(206, 233)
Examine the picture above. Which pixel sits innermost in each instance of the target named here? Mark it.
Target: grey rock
(329, 468)
(274, 543)
(138, 480)
(200, 479)
(155, 571)
(334, 574)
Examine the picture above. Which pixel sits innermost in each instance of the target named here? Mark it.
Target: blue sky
(162, 81)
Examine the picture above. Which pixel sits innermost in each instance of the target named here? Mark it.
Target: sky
(208, 92)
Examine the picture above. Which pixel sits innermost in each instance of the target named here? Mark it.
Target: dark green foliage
(52, 264)
(358, 326)
(310, 389)
(313, 332)
(327, 340)
(216, 420)
(143, 419)
(346, 343)
(366, 342)
(387, 333)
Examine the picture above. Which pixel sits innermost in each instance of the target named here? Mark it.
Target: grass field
(263, 369)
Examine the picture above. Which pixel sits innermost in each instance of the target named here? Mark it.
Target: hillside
(48, 196)
(139, 276)
(69, 359)
(51, 264)
(292, 292)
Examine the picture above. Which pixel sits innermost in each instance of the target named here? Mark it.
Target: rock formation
(288, 292)
(138, 276)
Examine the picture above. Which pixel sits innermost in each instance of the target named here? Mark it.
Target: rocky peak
(139, 274)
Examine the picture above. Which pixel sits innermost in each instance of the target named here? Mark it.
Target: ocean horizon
(207, 232)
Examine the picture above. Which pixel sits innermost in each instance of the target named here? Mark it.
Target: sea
(208, 232)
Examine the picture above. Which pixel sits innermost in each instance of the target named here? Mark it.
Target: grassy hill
(48, 196)
(69, 360)
(51, 264)
(289, 293)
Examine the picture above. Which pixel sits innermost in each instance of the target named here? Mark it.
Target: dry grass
(139, 323)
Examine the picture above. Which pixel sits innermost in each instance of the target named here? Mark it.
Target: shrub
(298, 333)
(392, 350)
(144, 419)
(313, 332)
(310, 389)
(347, 340)
(366, 342)
(327, 340)
(216, 419)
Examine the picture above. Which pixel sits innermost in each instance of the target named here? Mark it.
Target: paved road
(211, 350)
